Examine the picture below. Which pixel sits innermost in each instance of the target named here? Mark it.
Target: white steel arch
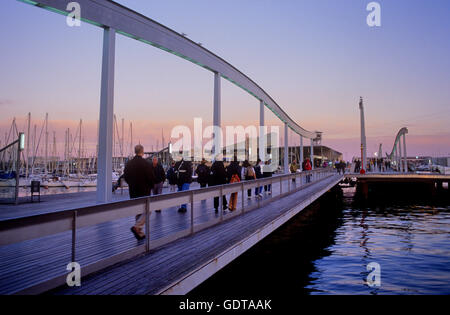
(403, 131)
(109, 14)
(115, 18)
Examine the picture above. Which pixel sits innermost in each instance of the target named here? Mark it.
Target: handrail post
(147, 225)
(281, 186)
(271, 188)
(74, 234)
(243, 197)
(192, 212)
(289, 183)
(221, 203)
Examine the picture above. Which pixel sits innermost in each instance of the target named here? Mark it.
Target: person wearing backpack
(203, 172)
(249, 174)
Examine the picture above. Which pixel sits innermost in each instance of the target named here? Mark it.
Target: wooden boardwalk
(56, 202)
(28, 263)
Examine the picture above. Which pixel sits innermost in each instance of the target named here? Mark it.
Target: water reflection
(328, 248)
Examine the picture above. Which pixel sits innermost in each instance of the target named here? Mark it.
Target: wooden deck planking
(19, 261)
(149, 273)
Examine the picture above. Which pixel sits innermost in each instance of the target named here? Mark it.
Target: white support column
(396, 155)
(104, 161)
(405, 169)
(400, 166)
(286, 148)
(312, 154)
(301, 153)
(262, 138)
(217, 118)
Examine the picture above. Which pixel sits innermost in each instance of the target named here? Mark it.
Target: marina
(137, 160)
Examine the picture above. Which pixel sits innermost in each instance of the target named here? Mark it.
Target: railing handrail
(18, 230)
(13, 223)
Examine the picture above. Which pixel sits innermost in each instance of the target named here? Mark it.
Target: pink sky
(315, 58)
(149, 133)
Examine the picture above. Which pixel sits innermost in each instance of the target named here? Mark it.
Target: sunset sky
(314, 57)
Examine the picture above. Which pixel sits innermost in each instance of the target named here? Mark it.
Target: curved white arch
(106, 13)
(403, 131)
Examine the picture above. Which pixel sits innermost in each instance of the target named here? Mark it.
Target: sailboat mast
(46, 144)
(54, 152)
(131, 141)
(34, 150)
(79, 150)
(122, 145)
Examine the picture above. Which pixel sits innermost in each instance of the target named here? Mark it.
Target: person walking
(160, 177)
(183, 170)
(293, 168)
(139, 175)
(259, 175)
(203, 173)
(308, 167)
(249, 174)
(234, 175)
(357, 166)
(219, 177)
(337, 166)
(342, 165)
(267, 172)
(172, 177)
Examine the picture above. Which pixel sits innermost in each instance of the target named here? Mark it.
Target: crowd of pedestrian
(147, 178)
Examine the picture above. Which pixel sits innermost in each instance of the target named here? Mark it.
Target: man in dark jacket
(139, 175)
(219, 177)
(202, 172)
(183, 169)
(160, 177)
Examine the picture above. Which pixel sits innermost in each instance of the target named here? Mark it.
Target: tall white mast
(363, 136)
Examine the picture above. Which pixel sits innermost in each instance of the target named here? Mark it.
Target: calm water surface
(327, 249)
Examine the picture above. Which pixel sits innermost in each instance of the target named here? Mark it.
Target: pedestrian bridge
(180, 250)
(114, 19)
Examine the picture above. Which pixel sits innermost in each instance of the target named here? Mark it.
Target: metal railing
(38, 226)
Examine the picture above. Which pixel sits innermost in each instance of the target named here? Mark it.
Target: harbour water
(326, 250)
(8, 192)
